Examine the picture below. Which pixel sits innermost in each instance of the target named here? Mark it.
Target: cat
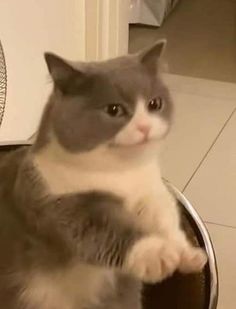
(85, 216)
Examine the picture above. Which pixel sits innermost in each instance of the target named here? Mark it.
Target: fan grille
(3, 83)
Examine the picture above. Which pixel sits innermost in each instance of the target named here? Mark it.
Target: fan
(3, 83)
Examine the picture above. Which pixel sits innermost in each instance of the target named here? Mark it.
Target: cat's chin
(144, 144)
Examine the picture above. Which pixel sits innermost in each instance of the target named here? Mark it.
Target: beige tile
(201, 39)
(198, 121)
(203, 87)
(224, 242)
(213, 189)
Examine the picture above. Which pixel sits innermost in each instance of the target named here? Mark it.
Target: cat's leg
(100, 232)
(193, 259)
(126, 294)
(153, 258)
(163, 217)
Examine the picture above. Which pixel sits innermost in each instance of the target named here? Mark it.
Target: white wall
(106, 28)
(27, 29)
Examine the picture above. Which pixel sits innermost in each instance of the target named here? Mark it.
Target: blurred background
(201, 35)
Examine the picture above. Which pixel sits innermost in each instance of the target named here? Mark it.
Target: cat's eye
(155, 104)
(115, 110)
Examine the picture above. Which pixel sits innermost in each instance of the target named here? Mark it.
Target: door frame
(106, 28)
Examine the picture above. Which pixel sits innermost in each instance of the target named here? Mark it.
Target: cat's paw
(192, 260)
(153, 259)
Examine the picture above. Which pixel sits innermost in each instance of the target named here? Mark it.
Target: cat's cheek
(128, 140)
(128, 137)
(159, 129)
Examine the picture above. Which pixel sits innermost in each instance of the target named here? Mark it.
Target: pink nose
(145, 129)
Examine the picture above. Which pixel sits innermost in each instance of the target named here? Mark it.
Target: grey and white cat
(84, 213)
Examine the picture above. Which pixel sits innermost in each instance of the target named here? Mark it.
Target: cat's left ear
(65, 77)
(149, 57)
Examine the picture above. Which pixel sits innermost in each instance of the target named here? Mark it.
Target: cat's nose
(144, 128)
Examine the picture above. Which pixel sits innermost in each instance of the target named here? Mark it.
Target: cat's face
(145, 126)
(119, 103)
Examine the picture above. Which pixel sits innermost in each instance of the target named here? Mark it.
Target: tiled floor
(201, 38)
(200, 159)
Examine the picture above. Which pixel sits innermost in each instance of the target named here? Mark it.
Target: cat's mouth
(144, 142)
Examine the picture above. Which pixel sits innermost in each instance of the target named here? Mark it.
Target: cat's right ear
(149, 57)
(66, 78)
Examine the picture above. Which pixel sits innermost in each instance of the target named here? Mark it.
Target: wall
(106, 28)
(27, 29)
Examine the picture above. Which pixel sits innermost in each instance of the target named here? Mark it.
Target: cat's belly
(68, 289)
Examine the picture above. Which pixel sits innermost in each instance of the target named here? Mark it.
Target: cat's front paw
(192, 260)
(153, 259)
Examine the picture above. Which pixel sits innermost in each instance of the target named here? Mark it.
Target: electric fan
(3, 83)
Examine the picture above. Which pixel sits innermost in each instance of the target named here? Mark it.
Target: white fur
(152, 257)
(192, 260)
(133, 183)
(131, 135)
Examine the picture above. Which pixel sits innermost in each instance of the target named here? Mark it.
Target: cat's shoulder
(11, 161)
(9, 154)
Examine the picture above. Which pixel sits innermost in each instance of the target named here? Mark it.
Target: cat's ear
(149, 57)
(65, 77)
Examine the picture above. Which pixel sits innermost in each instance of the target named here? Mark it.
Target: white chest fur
(133, 183)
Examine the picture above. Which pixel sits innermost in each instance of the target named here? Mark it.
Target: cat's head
(120, 103)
